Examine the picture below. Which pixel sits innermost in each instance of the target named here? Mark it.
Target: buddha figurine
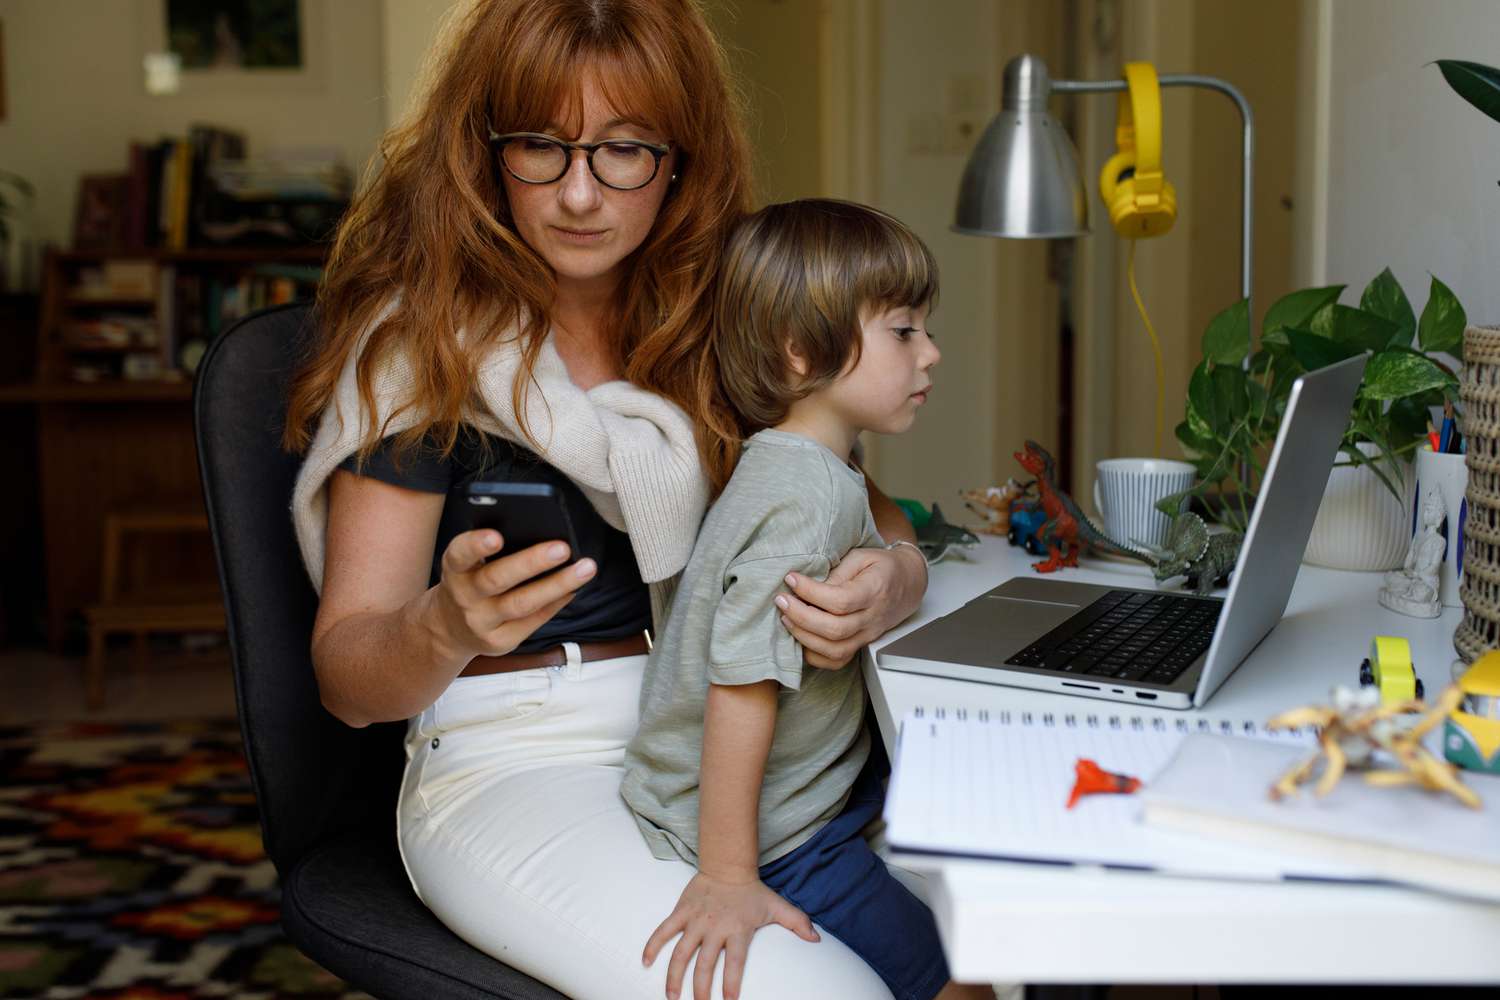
(1413, 589)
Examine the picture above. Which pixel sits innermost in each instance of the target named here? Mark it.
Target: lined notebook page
(996, 784)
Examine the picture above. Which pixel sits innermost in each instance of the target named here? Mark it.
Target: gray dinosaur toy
(1205, 558)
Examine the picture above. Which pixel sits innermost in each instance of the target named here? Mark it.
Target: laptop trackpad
(985, 632)
(1019, 619)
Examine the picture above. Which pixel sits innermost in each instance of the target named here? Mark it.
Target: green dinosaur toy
(1205, 558)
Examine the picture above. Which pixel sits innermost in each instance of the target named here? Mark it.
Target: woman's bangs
(635, 88)
(552, 99)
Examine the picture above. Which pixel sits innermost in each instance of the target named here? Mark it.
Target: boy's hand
(720, 915)
(868, 593)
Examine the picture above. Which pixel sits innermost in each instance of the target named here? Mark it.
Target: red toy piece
(1094, 780)
(1067, 528)
(1060, 532)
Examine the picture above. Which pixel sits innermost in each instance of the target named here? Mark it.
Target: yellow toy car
(1471, 733)
(1389, 668)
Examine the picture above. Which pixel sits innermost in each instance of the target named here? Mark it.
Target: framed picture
(236, 47)
(99, 217)
(235, 34)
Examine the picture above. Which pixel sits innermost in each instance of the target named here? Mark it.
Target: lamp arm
(1247, 120)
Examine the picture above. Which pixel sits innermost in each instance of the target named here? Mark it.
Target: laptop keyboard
(1129, 636)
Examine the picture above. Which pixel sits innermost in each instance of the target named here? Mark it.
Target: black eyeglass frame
(656, 149)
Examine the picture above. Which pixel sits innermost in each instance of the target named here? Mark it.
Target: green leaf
(1409, 416)
(1227, 339)
(1194, 443)
(1202, 407)
(1474, 82)
(1385, 299)
(1322, 321)
(1443, 321)
(1393, 374)
(1275, 339)
(1297, 309)
(1359, 330)
(1259, 400)
(1314, 352)
(1231, 398)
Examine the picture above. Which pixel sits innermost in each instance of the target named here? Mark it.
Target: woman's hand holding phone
(489, 608)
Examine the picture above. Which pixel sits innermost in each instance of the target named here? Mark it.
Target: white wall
(408, 30)
(76, 95)
(1412, 168)
(934, 72)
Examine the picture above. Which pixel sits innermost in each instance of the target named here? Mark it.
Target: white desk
(1009, 922)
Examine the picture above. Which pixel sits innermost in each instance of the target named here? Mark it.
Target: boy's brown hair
(800, 278)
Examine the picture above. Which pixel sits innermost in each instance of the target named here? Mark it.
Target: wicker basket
(1479, 389)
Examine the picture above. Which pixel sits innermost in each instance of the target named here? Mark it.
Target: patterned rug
(131, 868)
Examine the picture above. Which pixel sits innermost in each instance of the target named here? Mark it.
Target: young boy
(746, 764)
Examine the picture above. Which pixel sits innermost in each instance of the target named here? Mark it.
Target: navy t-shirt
(613, 605)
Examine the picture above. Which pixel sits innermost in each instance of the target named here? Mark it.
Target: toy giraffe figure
(1067, 529)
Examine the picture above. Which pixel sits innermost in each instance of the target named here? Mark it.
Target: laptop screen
(1306, 446)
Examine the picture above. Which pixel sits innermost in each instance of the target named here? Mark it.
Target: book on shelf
(113, 331)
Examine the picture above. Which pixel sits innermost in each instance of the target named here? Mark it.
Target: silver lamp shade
(1022, 179)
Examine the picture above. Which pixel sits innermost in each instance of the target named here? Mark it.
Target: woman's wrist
(427, 617)
(916, 564)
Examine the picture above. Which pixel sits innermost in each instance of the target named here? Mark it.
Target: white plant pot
(1360, 525)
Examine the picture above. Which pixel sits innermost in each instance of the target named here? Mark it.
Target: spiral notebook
(996, 785)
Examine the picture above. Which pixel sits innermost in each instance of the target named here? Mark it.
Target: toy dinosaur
(1355, 726)
(936, 537)
(1205, 558)
(994, 504)
(1067, 529)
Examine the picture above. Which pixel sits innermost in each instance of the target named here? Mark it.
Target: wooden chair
(143, 610)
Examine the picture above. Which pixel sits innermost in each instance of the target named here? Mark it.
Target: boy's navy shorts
(838, 881)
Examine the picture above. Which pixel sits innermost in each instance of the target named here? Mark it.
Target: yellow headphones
(1140, 200)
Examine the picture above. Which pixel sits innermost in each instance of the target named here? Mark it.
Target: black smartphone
(525, 514)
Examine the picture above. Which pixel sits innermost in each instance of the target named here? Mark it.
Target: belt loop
(573, 669)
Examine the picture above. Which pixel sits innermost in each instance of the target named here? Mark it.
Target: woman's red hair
(433, 222)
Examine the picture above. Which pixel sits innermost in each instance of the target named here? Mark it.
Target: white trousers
(515, 836)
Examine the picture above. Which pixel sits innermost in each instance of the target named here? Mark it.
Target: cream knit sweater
(631, 452)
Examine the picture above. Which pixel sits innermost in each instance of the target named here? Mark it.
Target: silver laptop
(1165, 647)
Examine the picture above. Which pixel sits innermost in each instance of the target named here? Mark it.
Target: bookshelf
(111, 395)
(141, 319)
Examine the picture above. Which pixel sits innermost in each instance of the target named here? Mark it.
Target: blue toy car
(1025, 521)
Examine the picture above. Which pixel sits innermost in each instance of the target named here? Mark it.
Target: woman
(523, 292)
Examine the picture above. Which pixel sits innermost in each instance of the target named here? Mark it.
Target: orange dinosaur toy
(1067, 528)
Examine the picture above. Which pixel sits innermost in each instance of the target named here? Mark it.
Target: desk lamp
(1022, 180)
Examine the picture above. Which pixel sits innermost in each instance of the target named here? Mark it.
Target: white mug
(1126, 491)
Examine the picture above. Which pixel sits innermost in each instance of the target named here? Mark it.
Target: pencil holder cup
(1479, 391)
(1449, 476)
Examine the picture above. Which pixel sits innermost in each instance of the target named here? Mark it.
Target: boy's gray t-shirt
(791, 506)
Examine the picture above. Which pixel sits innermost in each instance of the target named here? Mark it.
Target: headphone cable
(1161, 397)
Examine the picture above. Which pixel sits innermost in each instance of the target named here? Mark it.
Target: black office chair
(327, 793)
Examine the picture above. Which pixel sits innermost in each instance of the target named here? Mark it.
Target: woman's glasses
(536, 158)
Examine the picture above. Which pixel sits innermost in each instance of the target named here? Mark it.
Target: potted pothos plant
(1236, 398)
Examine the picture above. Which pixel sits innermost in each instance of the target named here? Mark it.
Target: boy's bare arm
(737, 725)
(726, 902)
